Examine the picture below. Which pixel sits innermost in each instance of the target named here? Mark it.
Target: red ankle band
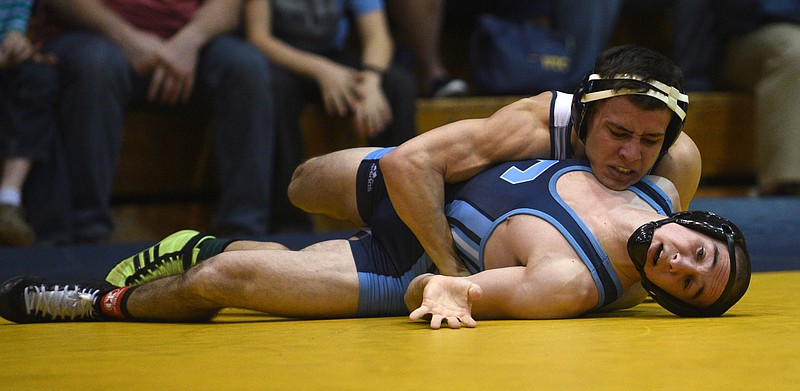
(113, 303)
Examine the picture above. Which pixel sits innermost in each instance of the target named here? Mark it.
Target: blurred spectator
(314, 61)
(418, 25)
(27, 85)
(754, 46)
(589, 26)
(177, 54)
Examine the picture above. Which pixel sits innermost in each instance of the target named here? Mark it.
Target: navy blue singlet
(388, 255)
(474, 209)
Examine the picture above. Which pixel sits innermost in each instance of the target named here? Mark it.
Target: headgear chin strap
(595, 87)
(713, 225)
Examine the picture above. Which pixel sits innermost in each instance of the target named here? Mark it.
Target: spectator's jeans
(27, 110)
(98, 84)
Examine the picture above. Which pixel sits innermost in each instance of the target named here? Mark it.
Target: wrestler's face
(623, 141)
(688, 265)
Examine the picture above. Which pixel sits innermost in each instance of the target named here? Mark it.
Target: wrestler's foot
(173, 255)
(33, 300)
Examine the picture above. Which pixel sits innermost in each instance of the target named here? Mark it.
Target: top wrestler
(543, 239)
(625, 118)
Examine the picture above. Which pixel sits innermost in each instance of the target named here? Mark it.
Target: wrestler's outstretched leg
(319, 281)
(175, 254)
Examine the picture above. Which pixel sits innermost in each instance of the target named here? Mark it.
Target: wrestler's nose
(630, 150)
(679, 264)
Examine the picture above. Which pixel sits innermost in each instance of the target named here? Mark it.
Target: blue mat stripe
(771, 227)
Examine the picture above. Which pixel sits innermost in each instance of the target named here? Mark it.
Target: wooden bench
(170, 157)
(166, 179)
(722, 125)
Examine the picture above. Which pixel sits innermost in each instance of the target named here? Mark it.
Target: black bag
(509, 57)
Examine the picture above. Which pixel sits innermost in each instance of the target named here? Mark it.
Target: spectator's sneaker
(14, 229)
(447, 88)
(173, 255)
(33, 300)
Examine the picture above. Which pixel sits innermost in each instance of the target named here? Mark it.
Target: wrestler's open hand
(446, 298)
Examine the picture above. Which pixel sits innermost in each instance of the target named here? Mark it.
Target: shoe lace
(60, 302)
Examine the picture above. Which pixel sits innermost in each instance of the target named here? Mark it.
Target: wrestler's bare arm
(669, 188)
(550, 290)
(682, 166)
(416, 171)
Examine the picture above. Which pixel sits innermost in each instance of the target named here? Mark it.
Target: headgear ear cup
(579, 108)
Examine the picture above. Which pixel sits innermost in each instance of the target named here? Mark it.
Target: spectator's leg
(767, 62)
(398, 86)
(237, 76)
(418, 23)
(27, 124)
(96, 83)
(295, 93)
(591, 24)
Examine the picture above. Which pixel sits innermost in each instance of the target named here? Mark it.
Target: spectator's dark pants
(27, 104)
(98, 84)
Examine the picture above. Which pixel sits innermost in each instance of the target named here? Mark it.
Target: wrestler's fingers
(436, 322)
(468, 321)
(454, 322)
(418, 313)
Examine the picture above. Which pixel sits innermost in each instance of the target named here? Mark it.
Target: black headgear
(595, 87)
(709, 224)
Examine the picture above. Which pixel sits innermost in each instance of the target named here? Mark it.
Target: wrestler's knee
(299, 185)
(215, 279)
(319, 184)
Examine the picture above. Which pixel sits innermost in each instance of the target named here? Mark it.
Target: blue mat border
(771, 227)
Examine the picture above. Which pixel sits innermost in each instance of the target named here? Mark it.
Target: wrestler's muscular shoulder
(520, 130)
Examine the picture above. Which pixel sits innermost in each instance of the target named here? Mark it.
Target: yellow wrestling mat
(756, 346)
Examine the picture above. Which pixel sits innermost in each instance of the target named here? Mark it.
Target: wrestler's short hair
(650, 80)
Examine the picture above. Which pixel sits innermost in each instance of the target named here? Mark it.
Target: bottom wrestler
(543, 239)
